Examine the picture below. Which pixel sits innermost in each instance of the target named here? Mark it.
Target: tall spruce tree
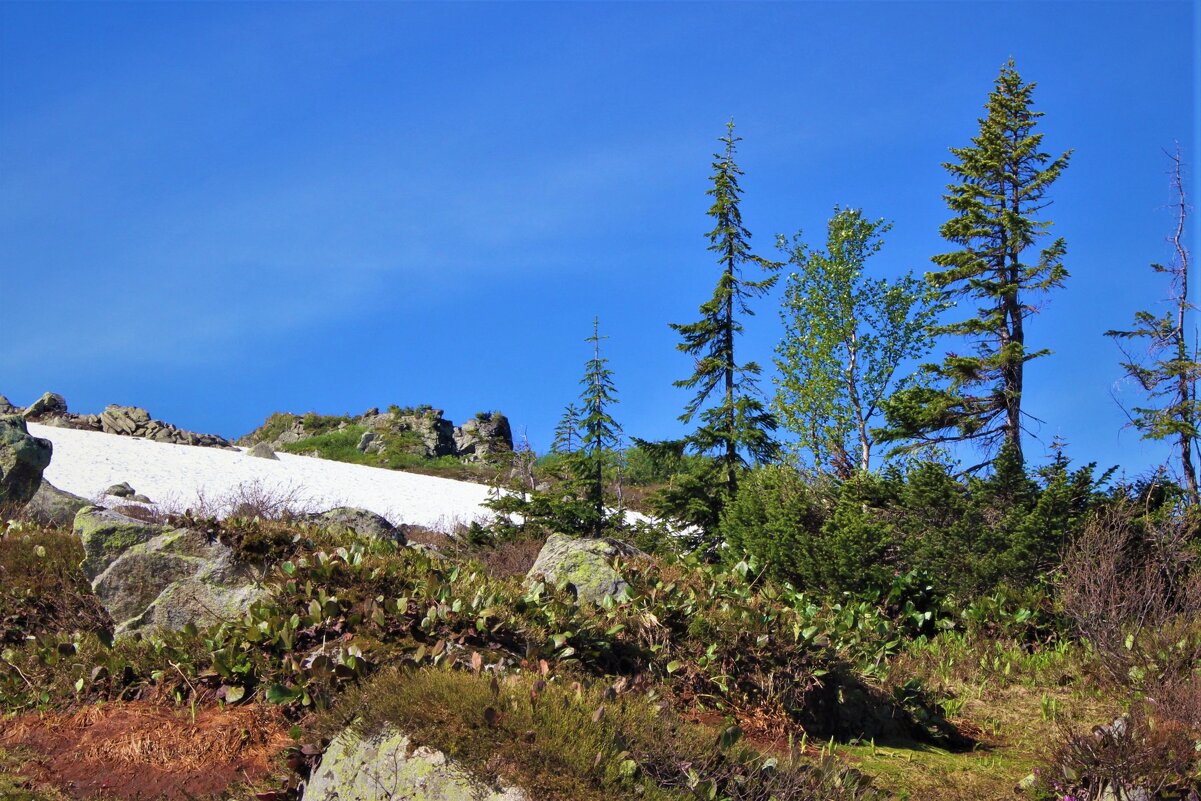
(738, 421)
(599, 432)
(1168, 370)
(1000, 187)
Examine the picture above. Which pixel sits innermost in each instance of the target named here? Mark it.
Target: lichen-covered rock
(6, 406)
(107, 534)
(51, 506)
(363, 522)
(22, 459)
(585, 564)
(386, 766)
(175, 578)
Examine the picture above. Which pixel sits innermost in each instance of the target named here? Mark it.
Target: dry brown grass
(140, 750)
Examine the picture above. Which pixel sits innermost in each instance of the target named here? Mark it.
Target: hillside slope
(177, 476)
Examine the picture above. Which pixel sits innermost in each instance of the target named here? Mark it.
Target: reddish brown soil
(141, 751)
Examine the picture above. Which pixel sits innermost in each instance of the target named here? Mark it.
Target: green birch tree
(845, 337)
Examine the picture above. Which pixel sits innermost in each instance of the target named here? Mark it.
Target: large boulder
(22, 459)
(484, 437)
(51, 404)
(585, 564)
(153, 577)
(51, 506)
(386, 766)
(362, 522)
(7, 408)
(177, 578)
(106, 535)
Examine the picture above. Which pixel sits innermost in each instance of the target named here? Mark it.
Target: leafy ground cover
(701, 681)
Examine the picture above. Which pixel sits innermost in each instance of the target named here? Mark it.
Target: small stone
(122, 490)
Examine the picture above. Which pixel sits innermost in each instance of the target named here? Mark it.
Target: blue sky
(218, 211)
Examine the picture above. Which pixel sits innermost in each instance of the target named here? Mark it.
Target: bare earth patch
(145, 751)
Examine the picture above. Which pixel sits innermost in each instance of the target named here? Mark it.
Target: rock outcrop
(585, 564)
(51, 410)
(484, 437)
(150, 576)
(23, 457)
(423, 432)
(386, 766)
(51, 404)
(133, 421)
(51, 506)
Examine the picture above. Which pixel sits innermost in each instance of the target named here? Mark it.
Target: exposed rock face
(585, 564)
(133, 421)
(386, 766)
(22, 459)
(483, 437)
(359, 521)
(51, 506)
(50, 404)
(152, 577)
(8, 408)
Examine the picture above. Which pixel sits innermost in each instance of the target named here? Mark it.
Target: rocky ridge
(423, 432)
(131, 421)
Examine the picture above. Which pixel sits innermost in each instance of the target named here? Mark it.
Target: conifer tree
(737, 421)
(1169, 371)
(567, 432)
(1000, 187)
(599, 432)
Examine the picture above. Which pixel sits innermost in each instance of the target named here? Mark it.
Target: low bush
(558, 739)
(42, 586)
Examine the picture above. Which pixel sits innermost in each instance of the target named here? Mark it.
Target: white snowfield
(177, 477)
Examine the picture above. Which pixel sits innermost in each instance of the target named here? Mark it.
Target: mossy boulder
(153, 577)
(22, 459)
(386, 766)
(585, 564)
(107, 534)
